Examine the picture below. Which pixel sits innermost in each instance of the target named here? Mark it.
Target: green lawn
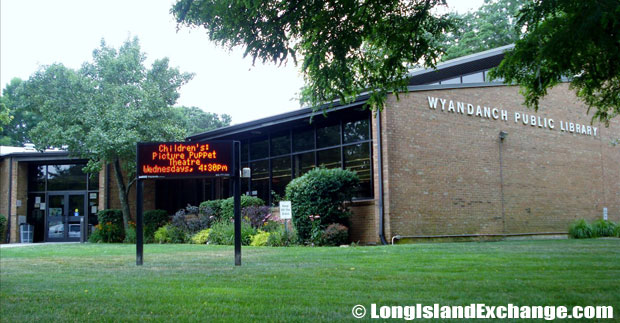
(196, 282)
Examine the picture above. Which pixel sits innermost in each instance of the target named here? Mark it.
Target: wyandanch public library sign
(168, 160)
(468, 109)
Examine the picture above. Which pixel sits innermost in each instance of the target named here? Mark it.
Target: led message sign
(185, 159)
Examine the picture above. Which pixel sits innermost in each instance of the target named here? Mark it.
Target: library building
(457, 156)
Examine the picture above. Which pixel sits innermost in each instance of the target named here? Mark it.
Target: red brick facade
(442, 167)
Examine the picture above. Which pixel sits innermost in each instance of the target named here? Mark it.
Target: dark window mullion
(341, 132)
(290, 134)
(269, 169)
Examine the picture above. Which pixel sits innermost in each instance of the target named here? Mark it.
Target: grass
(199, 283)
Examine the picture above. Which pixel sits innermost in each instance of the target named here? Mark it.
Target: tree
(194, 120)
(23, 118)
(5, 117)
(346, 47)
(100, 111)
(568, 38)
(492, 25)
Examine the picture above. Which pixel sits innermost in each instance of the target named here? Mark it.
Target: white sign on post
(285, 210)
(605, 213)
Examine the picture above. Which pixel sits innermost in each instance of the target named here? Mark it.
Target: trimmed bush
(617, 231)
(335, 234)
(201, 237)
(602, 228)
(2, 228)
(223, 233)
(228, 206)
(259, 239)
(153, 220)
(321, 192)
(580, 229)
(170, 234)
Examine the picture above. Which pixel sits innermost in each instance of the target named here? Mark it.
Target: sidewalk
(16, 245)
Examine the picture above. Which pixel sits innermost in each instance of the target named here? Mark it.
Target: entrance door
(64, 212)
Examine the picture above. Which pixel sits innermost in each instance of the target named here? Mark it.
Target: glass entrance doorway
(64, 212)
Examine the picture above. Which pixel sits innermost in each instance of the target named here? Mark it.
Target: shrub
(617, 234)
(223, 232)
(212, 207)
(113, 216)
(321, 192)
(189, 221)
(603, 228)
(256, 215)
(201, 237)
(2, 227)
(153, 220)
(130, 235)
(335, 234)
(170, 234)
(107, 232)
(228, 206)
(580, 229)
(281, 238)
(259, 239)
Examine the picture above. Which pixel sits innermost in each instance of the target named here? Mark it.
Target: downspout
(380, 178)
(8, 223)
(107, 187)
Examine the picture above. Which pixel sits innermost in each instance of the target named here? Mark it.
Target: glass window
(244, 151)
(259, 149)
(357, 159)
(329, 158)
(65, 177)
(280, 144)
(303, 139)
(36, 177)
(260, 179)
(280, 174)
(473, 78)
(328, 136)
(36, 215)
(303, 163)
(356, 131)
(93, 182)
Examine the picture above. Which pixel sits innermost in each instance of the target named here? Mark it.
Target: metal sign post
(237, 200)
(139, 221)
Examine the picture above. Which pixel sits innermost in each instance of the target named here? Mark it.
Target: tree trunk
(122, 194)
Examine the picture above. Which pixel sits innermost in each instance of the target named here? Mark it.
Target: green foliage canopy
(195, 120)
(346, 47)
(568, 38)
(492, 25)
(100, 111)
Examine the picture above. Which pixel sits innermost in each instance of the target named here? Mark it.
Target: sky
(35, 33)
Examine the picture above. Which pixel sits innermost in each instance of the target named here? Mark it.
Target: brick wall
(4, 189)
(149, 194)
(442, 169)
(363, 227)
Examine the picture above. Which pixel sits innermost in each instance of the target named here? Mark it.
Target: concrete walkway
(16, 245)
